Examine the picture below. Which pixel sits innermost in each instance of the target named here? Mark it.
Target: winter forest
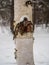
(39, 28)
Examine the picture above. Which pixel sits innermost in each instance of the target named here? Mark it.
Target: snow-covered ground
(41, 46)
(6, 47)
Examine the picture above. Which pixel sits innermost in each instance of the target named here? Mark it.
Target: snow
(40, 48)
(41, 45)
(6, 47)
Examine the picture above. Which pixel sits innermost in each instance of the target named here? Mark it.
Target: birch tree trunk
(24, 44)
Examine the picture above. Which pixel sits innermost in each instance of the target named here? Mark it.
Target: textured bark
(24, 44)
